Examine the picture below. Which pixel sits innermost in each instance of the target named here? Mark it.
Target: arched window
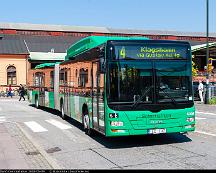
(11, 75)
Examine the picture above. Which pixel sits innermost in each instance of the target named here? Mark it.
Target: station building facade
(23, 46)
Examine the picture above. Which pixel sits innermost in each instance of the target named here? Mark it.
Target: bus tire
(62, 112)
(37, 102)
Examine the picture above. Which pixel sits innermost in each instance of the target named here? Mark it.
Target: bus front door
(97, 98)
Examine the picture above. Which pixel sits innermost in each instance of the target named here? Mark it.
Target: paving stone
(24, 145)
(3, 164)
(17, 164)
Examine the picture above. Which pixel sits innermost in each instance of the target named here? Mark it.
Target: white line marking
(58, 124)
(199, 118)
(205, 133)
(0, 109)
(207, 113)
(2, 119)
(35, 127)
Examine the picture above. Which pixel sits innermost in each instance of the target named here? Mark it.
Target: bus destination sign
(151, 52)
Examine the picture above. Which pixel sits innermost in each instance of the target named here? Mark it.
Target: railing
(212, 91)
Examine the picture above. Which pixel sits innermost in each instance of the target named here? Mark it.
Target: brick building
(19, 43)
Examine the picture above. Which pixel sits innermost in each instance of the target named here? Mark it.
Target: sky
(172, 15)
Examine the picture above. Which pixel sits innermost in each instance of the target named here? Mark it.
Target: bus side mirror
(102, 65)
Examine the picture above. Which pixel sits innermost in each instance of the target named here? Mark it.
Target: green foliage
(212, 101)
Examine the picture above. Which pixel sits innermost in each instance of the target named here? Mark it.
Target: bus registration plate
(156, 131)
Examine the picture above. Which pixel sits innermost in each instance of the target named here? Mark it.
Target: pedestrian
(21, 92)
(9, 91)
(200, 89)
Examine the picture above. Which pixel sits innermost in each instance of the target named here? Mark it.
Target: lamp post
(207, 53)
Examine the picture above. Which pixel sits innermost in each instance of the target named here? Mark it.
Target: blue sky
(178, 15)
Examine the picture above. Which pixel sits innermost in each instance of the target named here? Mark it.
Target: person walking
(21, 92)
(200, 89)
(9, 91)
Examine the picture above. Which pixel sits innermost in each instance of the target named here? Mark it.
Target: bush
(212, 101)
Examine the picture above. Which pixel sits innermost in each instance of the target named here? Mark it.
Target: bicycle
(3, 94)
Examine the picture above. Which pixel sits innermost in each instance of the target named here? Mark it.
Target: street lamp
(207, 53)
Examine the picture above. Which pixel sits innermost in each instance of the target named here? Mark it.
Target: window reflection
(128, 82)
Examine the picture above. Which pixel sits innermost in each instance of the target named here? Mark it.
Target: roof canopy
(92, 42)
(47, 56)
(202, 46)
(46, 65)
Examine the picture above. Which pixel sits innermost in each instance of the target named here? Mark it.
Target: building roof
(11, 46)
(46, 56)
(66, 28)
(160, 32)
(15, 44)
(45, 27)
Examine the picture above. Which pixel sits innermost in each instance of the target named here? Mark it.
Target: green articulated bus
(120, 86)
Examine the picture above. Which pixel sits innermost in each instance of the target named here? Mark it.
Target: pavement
(10, 155)
(18, 151)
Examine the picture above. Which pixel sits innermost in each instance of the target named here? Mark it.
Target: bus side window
(52, 79)
(83, 77)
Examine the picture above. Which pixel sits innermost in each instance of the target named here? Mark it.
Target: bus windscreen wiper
(173, 100)
(142, 96)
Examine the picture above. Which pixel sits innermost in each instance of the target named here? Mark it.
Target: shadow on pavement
(127, 141)
(133, 141)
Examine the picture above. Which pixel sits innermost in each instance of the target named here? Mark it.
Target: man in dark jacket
(21, 92)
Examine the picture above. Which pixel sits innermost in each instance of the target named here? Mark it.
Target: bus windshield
(130, 80)
(166, 79)
(173, 81)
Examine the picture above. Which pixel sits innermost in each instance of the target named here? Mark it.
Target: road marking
(58, 124)
(2, 119)
(0, 109)
(35, 127)
(205, 133)
(199, 118)
(207, 113)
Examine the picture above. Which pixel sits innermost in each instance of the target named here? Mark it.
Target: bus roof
(44, 65)
(92, 42)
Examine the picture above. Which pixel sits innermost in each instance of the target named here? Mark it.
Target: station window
(11, 75)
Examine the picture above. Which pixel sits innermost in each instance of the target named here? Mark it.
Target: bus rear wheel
(62, 112)
(37, 103)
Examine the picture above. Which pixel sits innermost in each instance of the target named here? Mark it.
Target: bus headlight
(190, 119)
(116, 123)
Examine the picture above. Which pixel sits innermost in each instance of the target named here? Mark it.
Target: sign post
(207, 53)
